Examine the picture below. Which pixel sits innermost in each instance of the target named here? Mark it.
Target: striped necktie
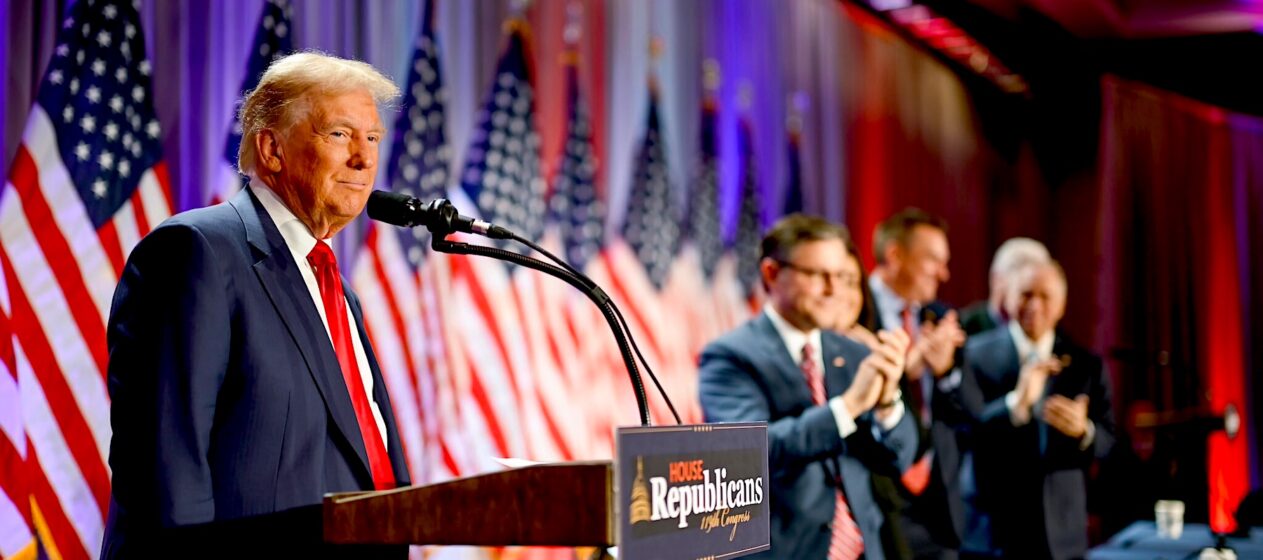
(846, 542)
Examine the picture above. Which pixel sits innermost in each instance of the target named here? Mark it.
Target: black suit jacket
(230, 416)
(976, 318)
(939, 509)
(1031, 479)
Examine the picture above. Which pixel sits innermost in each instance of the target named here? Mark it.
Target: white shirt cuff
(846, 422)
(1089, 435)
(1018, 416)
(892, 420)
(951, 381)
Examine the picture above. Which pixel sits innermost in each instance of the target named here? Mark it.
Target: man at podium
(833, 408)
(242, 385)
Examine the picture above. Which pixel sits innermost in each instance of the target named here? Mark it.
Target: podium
(675, 492)
(554, 504)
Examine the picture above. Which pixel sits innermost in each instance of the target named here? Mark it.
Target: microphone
(1229, 421)
(439, 215)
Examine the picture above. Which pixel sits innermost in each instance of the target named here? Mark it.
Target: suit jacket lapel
(1009, 364)
(284, 285)
(837, 367)
(782, 363)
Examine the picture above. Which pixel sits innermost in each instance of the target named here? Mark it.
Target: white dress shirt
(795, 340)
(300, 242)
(1030, 351)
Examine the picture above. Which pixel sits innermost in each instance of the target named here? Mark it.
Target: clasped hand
(877, 377)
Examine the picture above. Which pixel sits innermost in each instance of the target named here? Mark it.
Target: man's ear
(767, 271)
(893, 253)
(268, 146)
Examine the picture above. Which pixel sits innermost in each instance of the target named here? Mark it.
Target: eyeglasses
(837, 278)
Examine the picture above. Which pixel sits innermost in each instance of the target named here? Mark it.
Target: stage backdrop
(643, 175)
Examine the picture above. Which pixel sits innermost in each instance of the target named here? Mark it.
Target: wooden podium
(553, 504)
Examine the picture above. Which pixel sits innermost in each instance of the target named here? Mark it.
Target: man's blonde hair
(280, 99)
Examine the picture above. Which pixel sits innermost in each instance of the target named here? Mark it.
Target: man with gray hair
(243, 387)
(1012, 256)
(1041, 415)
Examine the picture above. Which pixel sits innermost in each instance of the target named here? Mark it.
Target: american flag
(643, 271)
(651, 228)
(500, 331)
(750, 219)
(592, 367)
(699, 285)
(86, 184)
(272, 40)
(574, 206)
(794, 175)
(705, 230)
(403, 288)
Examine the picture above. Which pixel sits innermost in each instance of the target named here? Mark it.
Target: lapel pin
(839, 362)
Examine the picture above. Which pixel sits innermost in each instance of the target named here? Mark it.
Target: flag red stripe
(488, 413)
(61, 260)
(442, 383)
(554, 353)
(164, 179)
(462, 269)
(74, 428)
(448, 459)
(431, 275)
(555, 329)
(62, 530)
(142, 221)
(550, 423)
(7, 356)
(631, 311)
(113, 246)
(636, 319)
(396, 318)
(13, 477)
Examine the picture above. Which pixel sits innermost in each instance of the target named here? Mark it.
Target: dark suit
(977, 318)
(749, 375)
(230, 415)
(929, 525)
(1032, 478)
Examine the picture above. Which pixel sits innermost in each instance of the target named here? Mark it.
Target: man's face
(851, 294)
(329, 160)
(1037, 301)
(921, 264)
(807, 288)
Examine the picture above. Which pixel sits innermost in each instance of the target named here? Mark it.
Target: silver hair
(281, 97)
(1016, 253)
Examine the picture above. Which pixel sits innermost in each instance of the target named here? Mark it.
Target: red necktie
(326, 268)
(917, 477)
(846, 542)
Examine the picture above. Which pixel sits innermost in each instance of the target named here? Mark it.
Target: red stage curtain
(1179, 209)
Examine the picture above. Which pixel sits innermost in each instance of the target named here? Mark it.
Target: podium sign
(692, 492)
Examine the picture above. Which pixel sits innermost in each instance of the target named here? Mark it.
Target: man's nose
(363, 154)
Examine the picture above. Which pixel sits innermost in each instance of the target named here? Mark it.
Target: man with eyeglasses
(833, 408)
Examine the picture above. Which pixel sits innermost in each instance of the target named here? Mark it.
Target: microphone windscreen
(393, 208)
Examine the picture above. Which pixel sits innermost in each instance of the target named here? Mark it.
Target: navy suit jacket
(230, 415)
(748, 375)
(1033, 486)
